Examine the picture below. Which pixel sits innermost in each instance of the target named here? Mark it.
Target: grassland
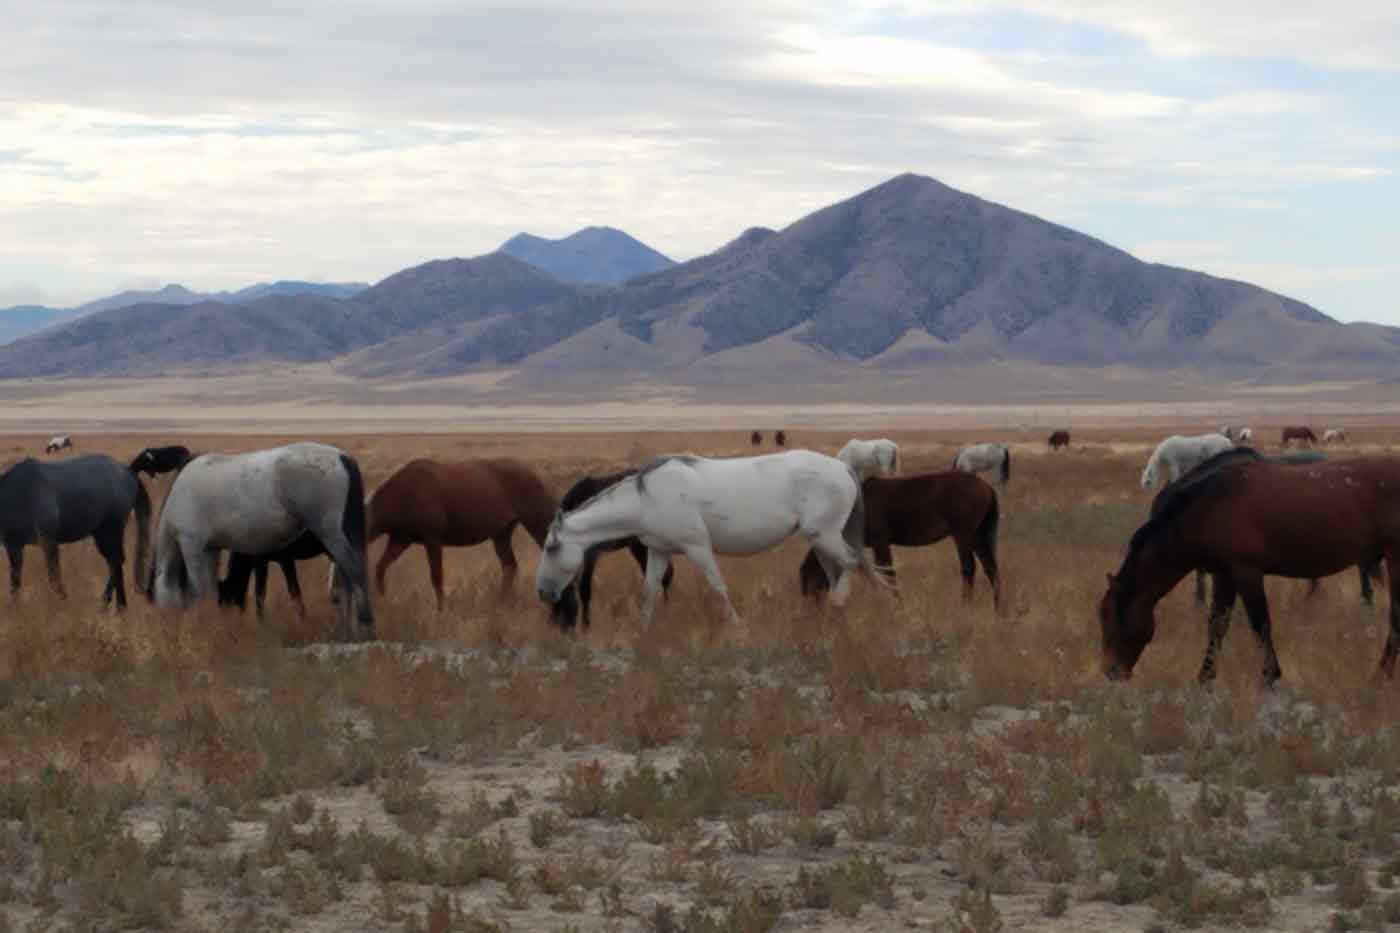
(911, 763)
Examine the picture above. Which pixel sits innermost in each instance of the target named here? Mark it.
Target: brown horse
(461, 504)
(1301, 434)
(1241, 517)
(916, 511)
(1059, 439)
(780, 438)
(756, 438)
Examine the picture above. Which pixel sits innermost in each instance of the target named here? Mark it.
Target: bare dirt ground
(910, 763)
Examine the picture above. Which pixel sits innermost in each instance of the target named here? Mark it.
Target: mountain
(909, 277)
(592, 256)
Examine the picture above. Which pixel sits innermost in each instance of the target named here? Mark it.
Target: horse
(58, 503)
(1241, 517)
(916, 511)
(459, 504)
(1334, 436)
(256, 504)
(780, 438)
(565, 611)
(1302, 435)
(1058, 439)
(756, 438)
(871, 458)
(980, 457)
(683, 504)
(155, 460)
(58, 442)
(1226, 431)
(1246, 436)
(233, 588)
(1180, 454)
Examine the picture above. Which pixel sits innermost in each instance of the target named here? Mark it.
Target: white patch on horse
(1180, 454)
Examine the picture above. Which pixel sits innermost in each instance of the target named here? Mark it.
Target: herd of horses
(1227, 511)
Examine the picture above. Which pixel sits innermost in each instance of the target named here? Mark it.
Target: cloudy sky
(217, 144)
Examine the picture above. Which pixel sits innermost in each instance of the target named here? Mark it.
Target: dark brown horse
(461, 504)
(233, 588)
(1301, 434)
(780, 438)
(916, 511)
(1241, 517)
(756, 438)
(1059, 439)
(566, 610)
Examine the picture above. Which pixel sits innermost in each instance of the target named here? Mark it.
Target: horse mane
(1168, 506)
(642, 474)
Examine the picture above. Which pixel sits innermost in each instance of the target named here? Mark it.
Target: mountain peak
(595, 255)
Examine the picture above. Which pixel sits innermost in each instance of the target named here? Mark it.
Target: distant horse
(682, 504)
(459, 504)
(981, 457)
(1242, 517)
(154, 460)
(233, 588)
(871, 458)
(1179, 455)
(58, 442)
(58, 503)
(1302, 435)
(916, 511)
(1059, 439)
(756, 438)
(257, 504)
(566, 610)
(1226, 431)
(1246, 436)
(1334, 436)
(780, 438)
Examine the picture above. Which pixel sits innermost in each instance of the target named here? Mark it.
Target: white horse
(981, 457)
(1246, 436)
(1179, 454)
(871, 458)
(1226, 431)
(59, 442)
(1334, 436)
(258, 503)
(689, 505)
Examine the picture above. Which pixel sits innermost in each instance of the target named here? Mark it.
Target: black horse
(566, 609)
(154, 460)
(58, 503)
(233, 588)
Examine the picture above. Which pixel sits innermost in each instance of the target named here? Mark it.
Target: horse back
(917, 510)
(459, 504)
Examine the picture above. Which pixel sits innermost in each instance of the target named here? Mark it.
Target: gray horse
(57, 503)
(256, 504)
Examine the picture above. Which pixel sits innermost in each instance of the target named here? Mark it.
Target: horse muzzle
(1115, 671)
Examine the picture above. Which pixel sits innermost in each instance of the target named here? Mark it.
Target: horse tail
(894, 459)
(1005, 464)
(352, 521)
(853, 532)
(987, 530)
(143, 529)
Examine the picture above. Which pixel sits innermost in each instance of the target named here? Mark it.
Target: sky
(219, 144)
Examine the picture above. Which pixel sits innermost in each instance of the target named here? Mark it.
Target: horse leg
(1201, 587)
(813, 575)
(260, 565)
(433, 549)
(585, 583)
(704, 558)
(967, 566)
(392, 552)
(986, 553)
(639, 554)
(1392, 641)
(289, 574)
(15, 551)
(1222, 602)
(1312, 588)
(506, 555)
(1256, 604)
(1365, 570)
(109, 545)
(351, 573)
(55, 567)
(658, 566)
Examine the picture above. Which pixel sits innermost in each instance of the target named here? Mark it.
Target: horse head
(1125, 634)
(560, 559)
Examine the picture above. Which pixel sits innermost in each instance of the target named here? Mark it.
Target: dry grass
(912, 762)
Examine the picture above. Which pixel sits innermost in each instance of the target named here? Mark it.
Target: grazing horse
(155, 460)
(1226, 431)
(871, 458)
(916, 511)
(683, 504)
(1181, 455)
(257, 504)
(1058, 439)
(566, 610)
(1246, 436)
(756, 438)
(233, 588)
(980, 457)
(58, 503)
(58, 442)
(1242, 517)
(780, 438)
(1303, 435)
(1334, 436)
(460, 504)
